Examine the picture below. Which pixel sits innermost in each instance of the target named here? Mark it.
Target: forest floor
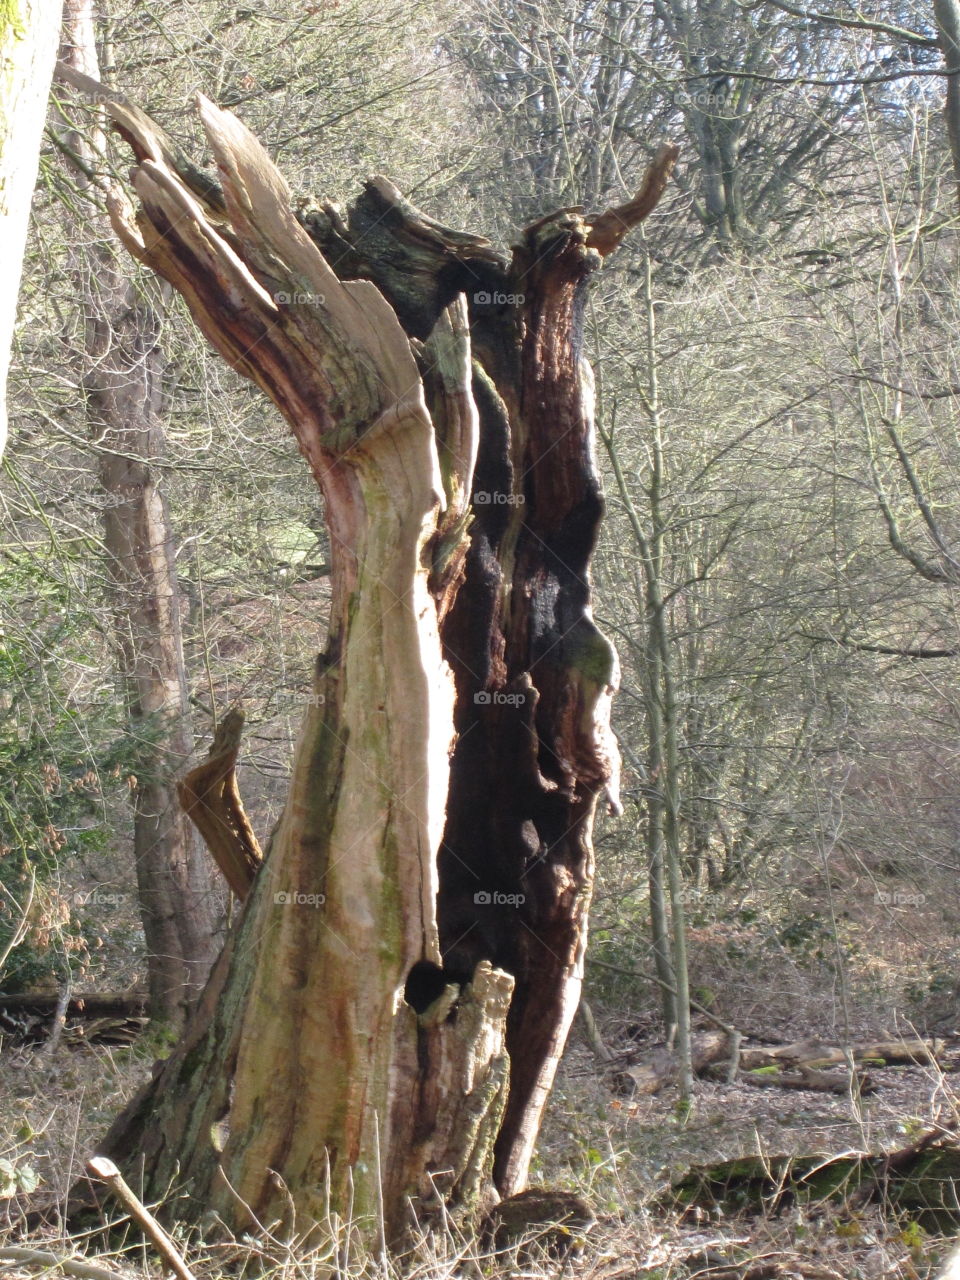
(617, 1151)
(778, 982)
(622, 1152)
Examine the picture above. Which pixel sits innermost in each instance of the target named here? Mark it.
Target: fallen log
(547, 1219)
(803, 1060)
(659, 1067)
(91, 1004)
(920, 1179)
(815, 1054)
(806, 1078)
(84, 1019)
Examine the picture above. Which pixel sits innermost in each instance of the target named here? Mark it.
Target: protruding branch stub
(609, 228)
(211, 799)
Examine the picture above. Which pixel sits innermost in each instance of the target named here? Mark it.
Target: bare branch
(609, 228)
(891, 651)
(104, 1169)
(858, 24)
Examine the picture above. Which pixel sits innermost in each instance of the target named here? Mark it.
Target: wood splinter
(210, 798)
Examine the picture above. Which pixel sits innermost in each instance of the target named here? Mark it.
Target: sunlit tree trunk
(28, 46)
(658, 680)
(947, 17)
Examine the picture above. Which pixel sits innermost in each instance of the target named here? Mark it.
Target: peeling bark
(384, 1025)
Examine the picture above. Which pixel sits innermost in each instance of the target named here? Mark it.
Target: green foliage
(913, 1236)
(17, 1178)
(57, 755)
(809, 935)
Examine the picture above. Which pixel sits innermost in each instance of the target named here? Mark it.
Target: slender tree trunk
(177, 884)
(657, 677)
(661, 939)
(662, 702)
(946, 14)
(28, 47)
(383, 1027)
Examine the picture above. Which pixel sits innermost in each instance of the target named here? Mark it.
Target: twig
(652, 977)
(69, 1266)
(20, 931)
(107, 1172)
(600, 1050)
(59, 1017)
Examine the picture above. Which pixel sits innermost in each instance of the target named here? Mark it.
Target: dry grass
(616, 1151)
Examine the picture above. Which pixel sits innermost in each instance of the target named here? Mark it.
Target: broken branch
(211, 800)
(609, 228)
(107, 1172)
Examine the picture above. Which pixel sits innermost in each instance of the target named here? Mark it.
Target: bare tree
(124, 400)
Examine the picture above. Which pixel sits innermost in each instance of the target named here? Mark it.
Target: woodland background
(776, 360)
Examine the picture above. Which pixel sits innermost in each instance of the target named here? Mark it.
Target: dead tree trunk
(122, 384)
(387, 1017)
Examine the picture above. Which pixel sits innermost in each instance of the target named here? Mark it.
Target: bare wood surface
(816, 1054)
(801, 1065)
(815, 1081)
(144, 135)
(211, 798)
(659, 1067)
(609, 228)
(335, 355)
